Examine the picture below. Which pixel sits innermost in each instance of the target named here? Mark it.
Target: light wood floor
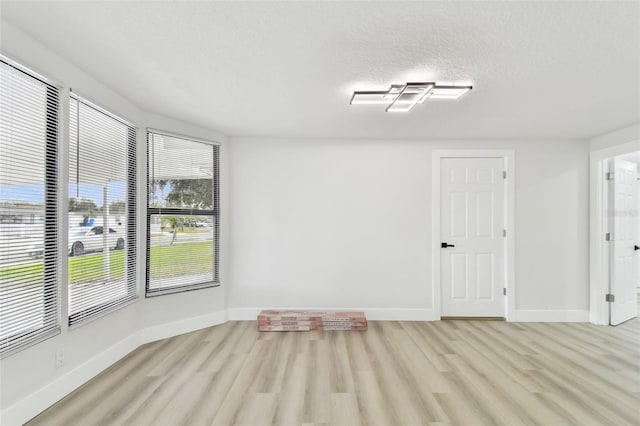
(397, 373)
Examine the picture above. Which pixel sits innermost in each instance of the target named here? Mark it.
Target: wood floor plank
(213, 396)
(317, 404)
(406, 405)
(374, 406)
(290, 405)
(344, 410)
(396, 373)
(259, 410)
(340, 374)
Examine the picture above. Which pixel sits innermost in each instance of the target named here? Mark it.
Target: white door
(472, 221)
(624, 277)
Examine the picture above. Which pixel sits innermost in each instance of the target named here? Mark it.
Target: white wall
(29, 381)
(346, 224)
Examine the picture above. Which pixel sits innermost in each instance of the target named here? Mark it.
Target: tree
(85, 205)
(173, 222)
(117, 207)
(189, 193)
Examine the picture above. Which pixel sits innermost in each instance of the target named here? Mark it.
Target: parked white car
(82, 240)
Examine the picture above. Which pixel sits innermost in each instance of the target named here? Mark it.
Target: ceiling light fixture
(403, 97)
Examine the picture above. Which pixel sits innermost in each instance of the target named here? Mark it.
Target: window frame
(52, 312)
(215, 213)
(131, 175)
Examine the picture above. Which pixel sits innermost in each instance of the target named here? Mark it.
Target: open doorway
(615, 234)
(626, 247)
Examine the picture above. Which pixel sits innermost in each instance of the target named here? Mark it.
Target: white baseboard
(29, 407)
(162, 331)
(380, 314)
(598, 318)
(548, 315)
(373, 314)
(243, 314)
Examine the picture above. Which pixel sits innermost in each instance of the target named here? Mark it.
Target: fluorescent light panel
(404, 97)
(370, 98)
(449, 92)
(384, 97)
(410, 96)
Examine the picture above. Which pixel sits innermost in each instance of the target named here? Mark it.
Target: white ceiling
(540, 69)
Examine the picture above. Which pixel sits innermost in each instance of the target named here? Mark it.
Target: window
(183, 215)
(102, 171)
(29, 292)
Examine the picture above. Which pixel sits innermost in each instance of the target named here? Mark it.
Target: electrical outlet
(59, 358)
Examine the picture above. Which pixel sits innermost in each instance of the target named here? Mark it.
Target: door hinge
(609, 236)
(610, 298)
(610, 176)
(504, 291)
(504, 174)
(504, 233)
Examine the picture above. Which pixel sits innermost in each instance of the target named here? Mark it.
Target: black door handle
(636, 248)
(445, 245)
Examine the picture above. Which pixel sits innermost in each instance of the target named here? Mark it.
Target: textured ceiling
(540, 69)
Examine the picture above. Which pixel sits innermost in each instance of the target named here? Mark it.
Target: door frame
(508, 155)
(599, 225)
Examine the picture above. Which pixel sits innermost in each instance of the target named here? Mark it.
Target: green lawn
(179, 259)
(91, 267)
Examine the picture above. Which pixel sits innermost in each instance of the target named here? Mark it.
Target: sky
(34, 193)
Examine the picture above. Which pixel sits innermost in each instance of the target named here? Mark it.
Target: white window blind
(102, 205)
(183, 214)
(29, 291)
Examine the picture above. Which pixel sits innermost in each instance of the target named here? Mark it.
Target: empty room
(319, 213)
